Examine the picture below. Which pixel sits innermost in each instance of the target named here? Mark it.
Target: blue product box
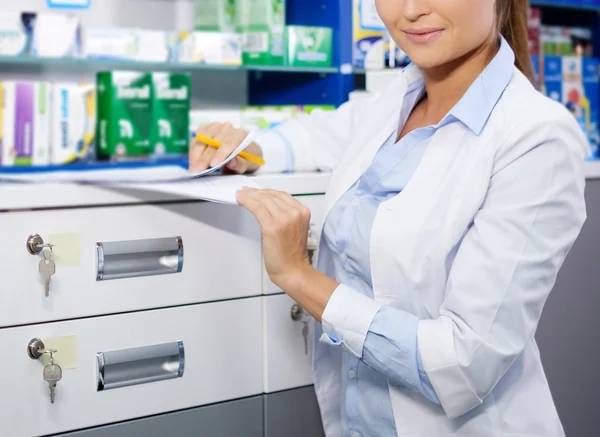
(574, 82)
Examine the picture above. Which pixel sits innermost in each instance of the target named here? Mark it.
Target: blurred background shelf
(82, 64)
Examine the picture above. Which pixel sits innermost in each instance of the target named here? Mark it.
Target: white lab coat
(476, 339)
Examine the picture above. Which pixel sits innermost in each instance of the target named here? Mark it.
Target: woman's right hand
(202, 156)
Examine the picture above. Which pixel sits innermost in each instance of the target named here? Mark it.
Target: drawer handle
(140, 365)
(136, 258)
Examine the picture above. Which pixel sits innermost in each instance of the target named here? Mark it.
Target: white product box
(130, 44)
(218, 48)
(73, 123)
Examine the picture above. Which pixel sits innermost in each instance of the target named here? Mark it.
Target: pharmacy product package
(262, 24)
(37, 34)
(52, 35)
(573, 81)
(367, 36)
(309, 46)
(130, 44)
(218, 15)
(73, 123)
(125, 114)
(206, 47)
(170, 114)
(25, 121)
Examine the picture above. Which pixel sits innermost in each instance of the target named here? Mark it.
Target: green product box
(215, 15)
(309, 46)
(171, 114)
(124, 114)
(262, 24)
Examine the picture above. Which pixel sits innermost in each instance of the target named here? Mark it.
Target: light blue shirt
(390, 353)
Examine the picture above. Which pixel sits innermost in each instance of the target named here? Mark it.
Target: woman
(454, 199)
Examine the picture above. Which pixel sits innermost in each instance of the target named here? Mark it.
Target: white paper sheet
(220, 189)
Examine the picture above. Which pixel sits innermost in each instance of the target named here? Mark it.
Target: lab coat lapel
(368, 140)
(407, 226)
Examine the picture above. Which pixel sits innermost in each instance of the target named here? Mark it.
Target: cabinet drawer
(223, 361)
(286, 363)
(217, 241)
(316, 203)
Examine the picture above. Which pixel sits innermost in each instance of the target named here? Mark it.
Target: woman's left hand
(284, 224)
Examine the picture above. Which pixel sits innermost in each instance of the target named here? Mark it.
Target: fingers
(202, 156)
(289, 203)
(255, 206)
(230, 138)
(236, 166)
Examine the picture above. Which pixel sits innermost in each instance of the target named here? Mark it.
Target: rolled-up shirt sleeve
(384, 338)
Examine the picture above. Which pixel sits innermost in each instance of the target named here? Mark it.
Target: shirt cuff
(347, 318)
(277, 152)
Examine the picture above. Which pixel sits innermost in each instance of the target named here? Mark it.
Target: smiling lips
(424, 35)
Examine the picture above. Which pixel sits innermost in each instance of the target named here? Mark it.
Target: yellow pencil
(243, 154)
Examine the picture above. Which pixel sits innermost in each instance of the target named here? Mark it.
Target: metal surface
(34, 244)
(35, 348)
(297, 313)
(140, 365)
(136, 258)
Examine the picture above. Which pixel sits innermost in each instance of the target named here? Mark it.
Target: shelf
(565, 5)
(110, 64)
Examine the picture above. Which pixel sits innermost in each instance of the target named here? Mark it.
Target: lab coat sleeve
(384, 338)
(311, 142)
(506, 264)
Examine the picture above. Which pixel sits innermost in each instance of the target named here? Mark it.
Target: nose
(415, 9)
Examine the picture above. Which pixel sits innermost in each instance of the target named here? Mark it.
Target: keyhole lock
(35, 244)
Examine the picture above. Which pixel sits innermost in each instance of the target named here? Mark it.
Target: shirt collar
(476, 105)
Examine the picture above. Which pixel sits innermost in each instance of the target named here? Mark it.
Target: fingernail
(214, 162)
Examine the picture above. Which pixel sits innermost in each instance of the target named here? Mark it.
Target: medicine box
(73, 122)
(170, 113)
(308, 46)
(218, 15)
(367, 36)
(573, 81)
(206, 47)
(125, 117)
(130, 44)
(25, 123)
(262, 24)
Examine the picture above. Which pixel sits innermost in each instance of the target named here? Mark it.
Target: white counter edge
(51, 196)
(48, 196)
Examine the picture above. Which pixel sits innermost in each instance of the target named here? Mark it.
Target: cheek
(475, 20)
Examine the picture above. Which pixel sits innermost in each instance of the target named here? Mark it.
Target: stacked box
(25, 123)
(124, 111)
(206, 47)
(171, 113)
(573, 81)
(73, 123)
(262, 24)
(218, 15)
(309, 46)
(367, 36)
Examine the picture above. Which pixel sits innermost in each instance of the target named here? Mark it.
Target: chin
(425, 62)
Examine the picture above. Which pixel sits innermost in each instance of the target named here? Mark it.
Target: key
(52, 375)
(47, 269)
(305, 336)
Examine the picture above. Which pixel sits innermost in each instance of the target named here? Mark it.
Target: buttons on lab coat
(351, 374)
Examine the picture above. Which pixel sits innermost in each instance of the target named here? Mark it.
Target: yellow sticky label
(66, 250)
(66, 351)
